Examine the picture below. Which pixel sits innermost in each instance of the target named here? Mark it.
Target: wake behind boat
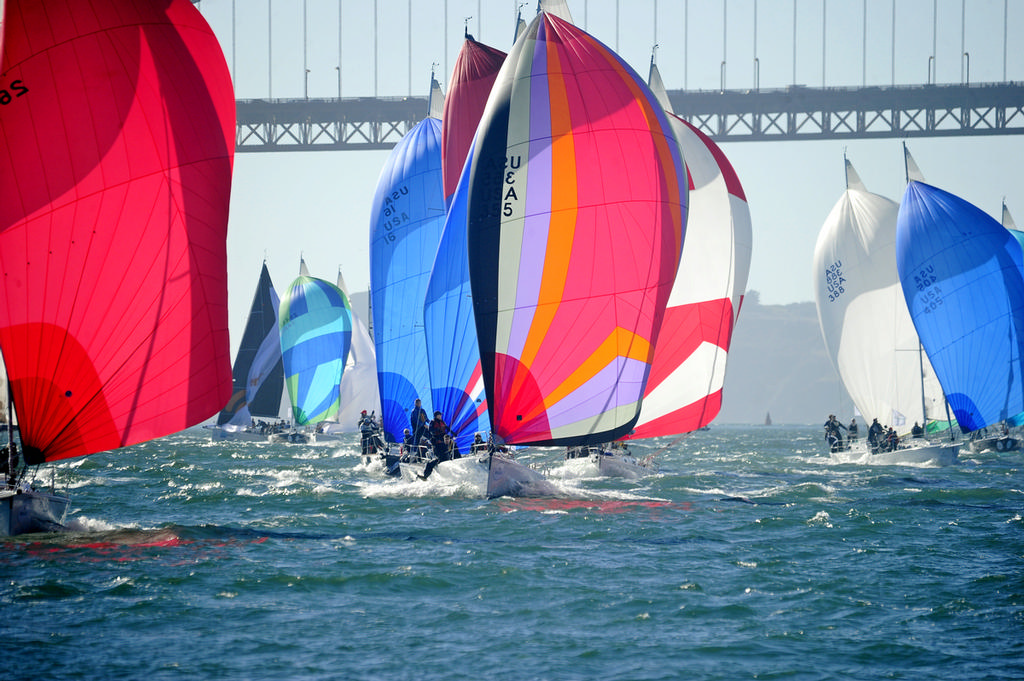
(496, 474)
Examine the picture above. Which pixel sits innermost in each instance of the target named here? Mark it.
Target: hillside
(777, 364)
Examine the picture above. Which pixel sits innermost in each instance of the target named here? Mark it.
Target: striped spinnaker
(577, 205)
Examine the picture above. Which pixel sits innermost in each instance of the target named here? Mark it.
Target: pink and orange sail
(576, 218)
(116, 151)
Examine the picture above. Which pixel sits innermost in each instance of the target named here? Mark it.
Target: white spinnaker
(863, 315)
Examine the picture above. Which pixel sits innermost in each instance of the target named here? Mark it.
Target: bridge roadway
(792, 113)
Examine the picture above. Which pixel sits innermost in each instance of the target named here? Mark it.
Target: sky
(316, 205)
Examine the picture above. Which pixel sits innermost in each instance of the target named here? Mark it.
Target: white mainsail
(863, 316)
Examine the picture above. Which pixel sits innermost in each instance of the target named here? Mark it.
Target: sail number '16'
(835, 282)
(394, 217)
(17, 87)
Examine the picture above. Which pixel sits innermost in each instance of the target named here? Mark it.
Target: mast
(910, 168)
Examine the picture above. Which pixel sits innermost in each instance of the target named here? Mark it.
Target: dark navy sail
(258, 374)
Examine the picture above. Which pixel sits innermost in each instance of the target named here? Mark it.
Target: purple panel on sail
(625, 374)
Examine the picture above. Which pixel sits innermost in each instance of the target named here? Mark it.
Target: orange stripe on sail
(562, 218)
(619, 343)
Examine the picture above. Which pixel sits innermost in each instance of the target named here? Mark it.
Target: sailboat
(452, 347)
(316, 333)
(258, 373)
(571, 263)
(113, 232)
(963, 280)
(407, 217)
(866, 326)
(453, 355)
(359, 389)
(684, 391)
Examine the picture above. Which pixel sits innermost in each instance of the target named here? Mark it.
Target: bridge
(787, 111)
(794, 113)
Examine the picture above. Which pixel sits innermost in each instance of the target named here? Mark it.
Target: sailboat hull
(509, 478)
(917, 453)
(995, 444)
(27, 511)
(598, 462)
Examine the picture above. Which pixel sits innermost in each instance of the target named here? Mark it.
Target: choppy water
(749, 555)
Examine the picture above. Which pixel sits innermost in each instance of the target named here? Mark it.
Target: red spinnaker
(468, 88)
(116, 150)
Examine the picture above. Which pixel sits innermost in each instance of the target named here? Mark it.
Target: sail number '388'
(834, 280)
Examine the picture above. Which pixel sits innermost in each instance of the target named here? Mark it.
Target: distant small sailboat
(359, 389)
(768, 418)
(113, 232)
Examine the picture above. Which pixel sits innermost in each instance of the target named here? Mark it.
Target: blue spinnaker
(408, 216)
(453, 355)
(963, 279)
(316, 333)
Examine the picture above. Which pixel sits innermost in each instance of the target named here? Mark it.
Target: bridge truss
(788, 114)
